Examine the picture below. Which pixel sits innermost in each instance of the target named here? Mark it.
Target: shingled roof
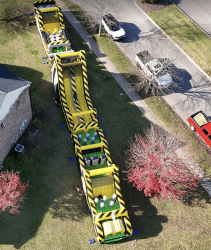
(10, 88)
(9, 82)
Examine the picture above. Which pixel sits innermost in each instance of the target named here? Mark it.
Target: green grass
(46, 125)
(34, 51)
(186, 34)
(55, 216)
(117, 58)
(28, 45)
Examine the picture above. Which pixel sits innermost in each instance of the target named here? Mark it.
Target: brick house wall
(20, 111)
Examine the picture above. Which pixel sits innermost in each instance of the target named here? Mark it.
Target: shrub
(11, 191)
(37, 122)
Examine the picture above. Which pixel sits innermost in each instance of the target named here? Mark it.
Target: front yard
(55, 216)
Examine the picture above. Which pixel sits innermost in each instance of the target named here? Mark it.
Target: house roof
(11, 87)
(9, 82)
(2, 96)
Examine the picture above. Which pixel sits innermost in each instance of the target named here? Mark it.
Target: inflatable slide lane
(50, 24)
(99, 176)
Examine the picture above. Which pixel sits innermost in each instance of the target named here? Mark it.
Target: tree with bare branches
(167, 57)
(100, 8)
(155, 167)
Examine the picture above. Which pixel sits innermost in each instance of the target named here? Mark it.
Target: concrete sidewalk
(206, 183)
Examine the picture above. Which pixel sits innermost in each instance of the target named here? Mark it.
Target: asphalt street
(143, 34)
(198, 11)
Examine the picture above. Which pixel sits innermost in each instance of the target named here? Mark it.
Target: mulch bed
(153, 7)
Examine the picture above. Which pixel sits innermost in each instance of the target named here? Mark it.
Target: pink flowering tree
(11, 191)
(155, 167)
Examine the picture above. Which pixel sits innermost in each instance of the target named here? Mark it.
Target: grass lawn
(55, 216)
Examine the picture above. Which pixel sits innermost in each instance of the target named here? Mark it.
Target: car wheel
(192, 127)
(138, 65)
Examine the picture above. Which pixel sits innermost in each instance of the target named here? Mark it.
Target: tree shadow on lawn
(197, 198)
(142, 213)
(25, 73)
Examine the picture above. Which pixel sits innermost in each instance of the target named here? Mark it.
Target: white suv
(112, 27)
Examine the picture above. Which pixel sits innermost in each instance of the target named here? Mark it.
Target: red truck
(201, 123)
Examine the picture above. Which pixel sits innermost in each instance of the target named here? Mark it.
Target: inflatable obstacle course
(99, 176)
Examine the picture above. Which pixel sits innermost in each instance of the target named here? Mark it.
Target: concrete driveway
(143, 34)
(198, 11)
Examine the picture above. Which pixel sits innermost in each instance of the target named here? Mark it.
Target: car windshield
(157, 66)
(116, 28)
(161, 73)
(200, 119)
